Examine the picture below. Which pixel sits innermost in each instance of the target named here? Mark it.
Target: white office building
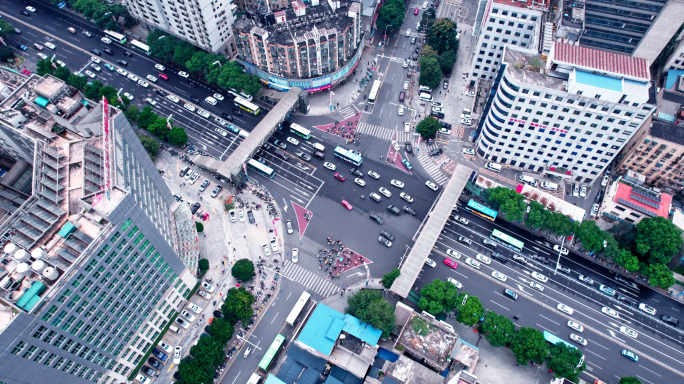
(567, 116)
(205, 24)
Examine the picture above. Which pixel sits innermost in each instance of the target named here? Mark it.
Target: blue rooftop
(672, 76)
(325, 325)
(273, 380)
(599, 81)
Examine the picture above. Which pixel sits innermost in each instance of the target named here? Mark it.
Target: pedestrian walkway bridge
(433, 227)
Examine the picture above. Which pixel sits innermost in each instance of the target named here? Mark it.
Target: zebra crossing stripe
(309, 280)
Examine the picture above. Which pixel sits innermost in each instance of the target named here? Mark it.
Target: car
(435, 152)
(143, 83)
(22, 47)
(384, 241)
(408, 32)
(163, 76)
(356, 172)
(128, 53)
(629, 332)
(25, 13)
(90, 74)
(537, 286)
(129, 96)
(607, 290)
(578, 339)
(407, 164)
(149, 371)
(204, 185)
(583, 191)
(295, 255)
(648, 309)
(182, 323)
(604, 181)
(241, 215)
(121, 72)
(177, 354)
(218, 96)
(499, 276)
(142, 379)
(455, 282)
(630, 355)
(194, 208)
(280, 144)
(450, 263)
(95, 67)
(292, 141)
(274, 245)
(565, 308)
(558, 248)
(397, 183)
(161, 355)
(204, 294)
(160, 67)
(408, 147)
(133, 77)
(430, 262)
(406, 197)
(489, 242)
(207, 287)
(468, 151)
(431, 185)
(377, 218)
(520, 259)
(453, 253)
(359, 182)
(564, 269)
(413, 40)
(108, 51)
(670, 320)
(483, 258)
(586, 279)
(222, 123)
(288, 224)
(339, 177)
(470, 94)
(406, 64)
(465, 240)
(189, 107)
(31, 9)
(216, 191)
(416, 12)
(110, 67)
(203, 113)
(510, 294)
(575, 325)
(385, 192)
(373, 175)
(394, 210)
(329, 166)
(437, 109)
(472, 263)
(194, 308)
(266, 249)
(165, 347)
(183, 74)
(540, 277)
(401, 111)
(610, 312)
(236, 111)
(627, 300)
(151, 78)
(122, 62)
(86, 33)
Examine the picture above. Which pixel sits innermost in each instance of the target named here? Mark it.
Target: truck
(549, 185)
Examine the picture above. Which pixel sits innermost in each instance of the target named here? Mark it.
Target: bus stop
(433, 228)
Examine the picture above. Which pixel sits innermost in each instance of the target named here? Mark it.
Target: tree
(233, 76)
(44, 67)
(563, 360)
(590, 235)
(629, 380)
(162, 46)
(498, 329)
(199, 226)
(76, 81)
(442, 35)
(132, 113)
(6, 53)
(427, 18)
(447, 60)
(183, 52)
(221, 329)
(529, 344)
(391, 15)
(428, 127)
(6, 30)
(238, 305)
(438, 296)
(92, 90)
(389, 278)
(151, 146)
(471, 312)
(371, 307)
(429, 51)
(203, 265)
(430, 73)
(537, 215)
(511, 203)
(159, 128)
(208, 350)
(146, 117)
(177, 136)
(243, 270)
(197, 62)
(193, 371)
(659, 275)
(626, 259)
(658, 239)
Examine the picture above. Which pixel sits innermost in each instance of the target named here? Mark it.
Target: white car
(431, 185)
(31, 9)
(578, 339)
(133, 77)
(90, 74)
(151, 78)
(160, 67)
(274, 245)
(430, 262)
(233, 217)
(558, 248)
(455, 282)
(142, 379)
(583, 191)
(329, 166)
(207, 287)
(483, 259)
(218, 96)
(437, 104)
(95, 59)
(406, 197)
(42, 55)
(468, 151)
(437, 109)
(129, 96)
(453, 253)
(397, 183)
(604, 181)
(461, 219)
(122, 72)
(241, 214)
(194, 308)
(594, 210)
(164, 347)
(267, 250)
(188, 316)
(143, 83)
(407, 127)
(292, 141)
(470, 94)
(540, 277)
(576, 326)
(395, 145)
(499, 276)
(173, 98)
(183, 74)
(150, 101)
(222, 123)
(373, 175)
(204, 295)
(408, 32)
(50, 45)
(189, 107)
(290, 230)
(61, 63)
(565, 308)
(629, 332)
(473, 263)
(648, 309)
(177, 352)
(406, 84)
(203, 113)
(537, 286)
(360, 182)
(401, 110)
(95, 67)
(385, 192)
(406, 64)
(295, 255)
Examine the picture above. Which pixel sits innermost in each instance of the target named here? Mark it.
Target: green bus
(507, 241)
(271, 352)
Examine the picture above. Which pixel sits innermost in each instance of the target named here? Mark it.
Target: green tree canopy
(146, 117)
(658, 239)
(427, 18)
(177, 136)
(498, 329)
(389, 278)
(442, 35)
(159, 128)
(183, 52)
(626, 259)
(77, 81)
(528, 344)
(193, 371)
(659, 275)
(44, 66)
(537, 215)
(430, 72)
(371, 307)
(428, 127)
(591, 236)
(563, 360)
(238, 305)
(243, 270)
(391, 15)
(151, 145)
(629, 380)
(511, 203)
(221, 329)
(438, 296)
(470, 312)
(447, 60)
(162, 46)
(429, 51)
(6, 30)
(6, 52)
(203, 265)
(132, 113)
(208, 350)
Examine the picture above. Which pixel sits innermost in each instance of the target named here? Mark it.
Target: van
(550, 186)
(72, 30)
(243, 134)
(282, 155)
(319, 155)
(494, 166)
(401, 96)
(210, 100)
(528, 180)
(319, 147)
(425, 96)
(375, 197)
(423, 88)
(173, 329)
(184, 172)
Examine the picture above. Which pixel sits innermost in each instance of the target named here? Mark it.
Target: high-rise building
(202, 23)
(567, 116)
(89, 271)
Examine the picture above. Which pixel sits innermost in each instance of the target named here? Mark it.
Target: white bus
(301, 303)
(374, 92)
(144, 48)
(241, 94)
(116, 36)
(300, 131)
(254, 379)
(259, 168)
(247, 106)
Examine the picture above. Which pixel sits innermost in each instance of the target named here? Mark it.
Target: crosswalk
(347, 112)
(383, 132)
(313, 282)
(432, 169)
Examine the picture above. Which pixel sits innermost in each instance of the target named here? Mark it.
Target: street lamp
(560, 252)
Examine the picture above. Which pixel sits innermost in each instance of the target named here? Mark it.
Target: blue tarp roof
(326, 324)
(599, 81)
(272, 380)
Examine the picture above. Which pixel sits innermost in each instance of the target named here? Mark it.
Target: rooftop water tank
(10, 248)
(38, 266)
(37, 253)
(23, 269)
(50, 273)
(21, 255)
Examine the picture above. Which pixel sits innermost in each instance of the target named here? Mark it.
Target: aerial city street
(486, 192)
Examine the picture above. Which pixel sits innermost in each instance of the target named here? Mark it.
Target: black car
(108, 51)
(627, 300)
(156, 364)
(670, 320)
(225, 115)
(148, 371)
(96, 51)
(194, 99)
(218, 314)
(122, 62)
(192, 83)
(446, 125)
(305, 156)
(598, 197)
(177, 375)
(438, 115)
(25, 13)
(409, 148)
(236, 112)
(499, 256)
(250, 217)
(377, 218)
(160, 92)
(356, 172)
(409, 210)
(387, 235)
(194, 208)
(394, 210)
(86, 34)
(436, 152)
(128, 53)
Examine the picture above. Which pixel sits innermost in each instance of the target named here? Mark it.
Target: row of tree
(652, 248)
(215, 69)
(439, 54)
(105, 15)
(157, 125)
(6, 31)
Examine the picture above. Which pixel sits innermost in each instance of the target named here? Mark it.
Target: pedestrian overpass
(415, 261)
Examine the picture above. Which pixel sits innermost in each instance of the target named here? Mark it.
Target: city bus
(555, 340)
(140, 47)
(247, 105)
(116, 36)
(374, 92)
(254, 379)
(297, 309)
(507, 241)
(260, 168)
(348, 156)
(300, 131)
(271, 352)
(481, 210)
(240, 94)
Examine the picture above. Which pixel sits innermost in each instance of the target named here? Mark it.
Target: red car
(163, 76)
(450, 263)
(416, 11)
(347, 205)
(339, 177)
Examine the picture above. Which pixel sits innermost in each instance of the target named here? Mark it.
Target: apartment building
(630, 202)
(89, 273)
(567, 116)
(202, 23)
